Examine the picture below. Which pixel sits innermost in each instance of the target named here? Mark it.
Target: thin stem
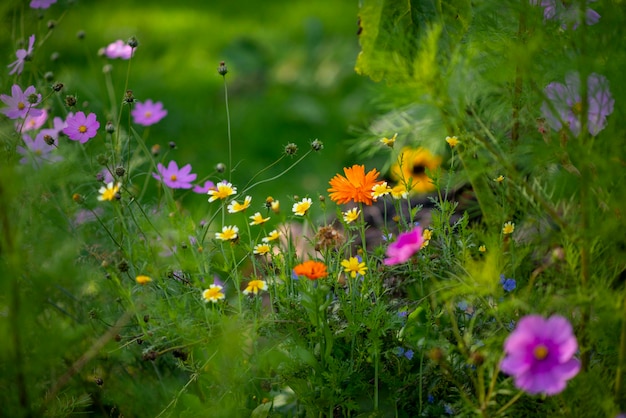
(230, 144)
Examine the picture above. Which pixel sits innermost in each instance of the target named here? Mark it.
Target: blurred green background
(291, 77)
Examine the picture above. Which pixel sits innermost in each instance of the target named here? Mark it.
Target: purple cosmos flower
(565, 100)
(540, 354)
(507, 284)
(567, 14)
(148, 113)
(19, 106)
(407, 244)
(80, 127)
(204, 189)
(41, 4)
(37, 151)
(22, 55)
(173, 177)
(32, 122)
(118, 49)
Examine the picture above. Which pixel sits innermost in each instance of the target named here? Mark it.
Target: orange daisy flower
(312, 269)
(355, 187)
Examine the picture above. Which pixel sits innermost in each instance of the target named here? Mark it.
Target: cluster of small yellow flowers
(254, 286)
(258, 219)
(234, 206)
(222, 190)
(453, 141)
(301, 208)
(228, 233)
(482, 248)
(499, 179)
(143, 280)
(262, 249)
(109, 192)
(390, 142)
(354, 266)
(399, 191)
(426, 236)
(213, 293)
(351, 215)
(380, 190)
(272, 236)
(508, 228)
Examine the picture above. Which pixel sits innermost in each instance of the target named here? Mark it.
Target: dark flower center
(418, 169)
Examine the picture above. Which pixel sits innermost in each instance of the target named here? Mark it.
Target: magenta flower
(204, 189)
(80, 127)
(148, 113)
(19, 106)
(403, 248)
(567, 14)
(540, 354)
(22, 55)
(41, 4)
(565, 100)
(32, 122)
(173, 177)
(118, 49)
(37, 150)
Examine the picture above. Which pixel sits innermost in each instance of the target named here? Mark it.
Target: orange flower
(355, 187)
(312, 269)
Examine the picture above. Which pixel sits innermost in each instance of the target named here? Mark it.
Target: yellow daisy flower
(399, 191)
(109, 191)
(453, 141)
(351, 215)
(380, 190)
(234, 206)
(482, 248)
(255, 286)
(143, 280)
(258, 219)
(262, 249)
(300, 208)
(228, 233)
(213, 293)
(354, 266)
(274, 235)
(222, 190)
(390, 142)
(508, 228)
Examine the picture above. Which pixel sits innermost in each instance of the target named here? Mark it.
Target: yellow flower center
(577, 108)
(148, 114)
(21, 105)
(82, 129)
(173, 177)
(540, 352)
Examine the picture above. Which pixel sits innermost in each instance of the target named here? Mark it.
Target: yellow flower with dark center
(108, 192)
(411, 169)
(390, 142)
(351, 215)
(380, 190)
(508, 228)
(222, 190)
(300, 208)
(453, 141)
(258, 219)
(213, 293)
(234, 206)
(228, 233)
(143, 280)
(262, 249)
(354, 266)
(255, 286)
(274, 235)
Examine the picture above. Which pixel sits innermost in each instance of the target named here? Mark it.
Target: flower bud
(172, 144)
(222, 69)
(100, 177)
(48, 76)
(123, 266)
(133, 42)
(129, 98)
(78, 198)
(57, 87)
(51, 24)
(120, 171)
(70, 101)
(291, 149)
(33, 98)
(220, 167)
(80, 34)
(155, 150)
(48, 139)
(109, 127)
(317, 145)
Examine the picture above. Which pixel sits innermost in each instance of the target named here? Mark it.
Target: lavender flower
(567, 14)
(41, 4)
(148, 113)
(540, 354)
(32, 122)
(118, 49)
(565, 107)
(80, 127)
(204, 189)
(407, 244)
(19, 104)
(37, 150)
(174, 177)
(22, 55)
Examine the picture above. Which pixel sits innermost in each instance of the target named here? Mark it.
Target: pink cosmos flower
(540, 354)
(204, 189)
(119, 49)
(567, 14)
(403, 248)
(19, 106)
(32, 122)
(22, 55)
(566, 101)
(41, 4)
(148, 113)
(37, 150)
(80, 127)
(174, 177)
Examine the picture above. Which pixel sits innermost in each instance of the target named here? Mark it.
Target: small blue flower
(399, 351)
(507, 284)
(403, 314)
(409, 354)
(448, 409)
(430, 398)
